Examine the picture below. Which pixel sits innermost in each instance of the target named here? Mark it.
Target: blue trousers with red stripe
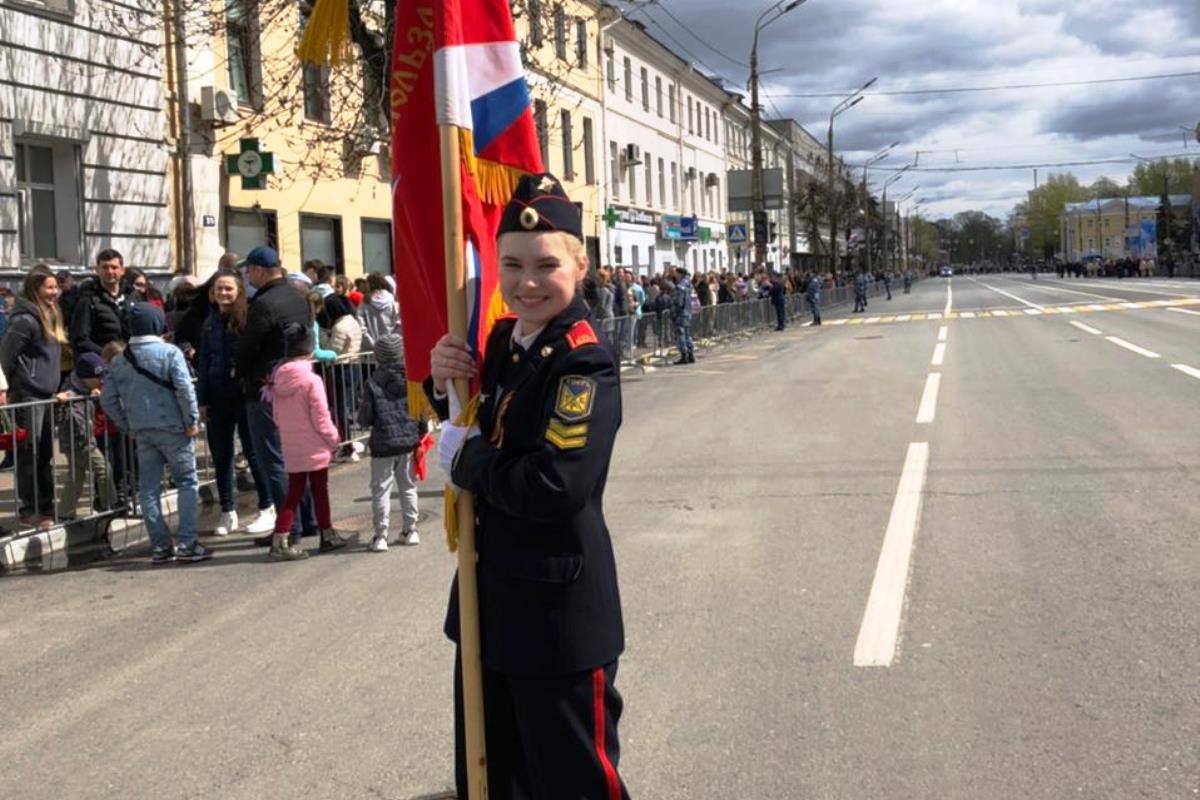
(548, 738)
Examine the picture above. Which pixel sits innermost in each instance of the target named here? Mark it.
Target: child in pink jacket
(308, 438)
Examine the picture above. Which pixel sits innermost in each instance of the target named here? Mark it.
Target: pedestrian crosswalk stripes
(1081, 308)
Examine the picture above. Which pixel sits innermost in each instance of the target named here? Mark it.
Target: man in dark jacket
(276, 308)
(98, 316)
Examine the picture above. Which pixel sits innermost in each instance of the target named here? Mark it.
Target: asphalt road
(1033, 575)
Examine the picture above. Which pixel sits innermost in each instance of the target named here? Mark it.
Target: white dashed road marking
(1186, 370)
(928, 408)
(1133, 348)
(942, 332)
(880, 630)
(1086, 328)
(1185, 311)
(939, 354)
(1012, 296)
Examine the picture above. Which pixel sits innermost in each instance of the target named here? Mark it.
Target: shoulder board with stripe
(580, 334)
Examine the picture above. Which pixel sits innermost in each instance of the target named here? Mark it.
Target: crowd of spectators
(125, 373)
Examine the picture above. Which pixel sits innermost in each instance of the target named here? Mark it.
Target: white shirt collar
(522, 339)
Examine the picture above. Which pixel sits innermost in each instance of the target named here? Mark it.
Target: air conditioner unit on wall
(691, 173)
(710, 181)
(633, 155)
(218, 105)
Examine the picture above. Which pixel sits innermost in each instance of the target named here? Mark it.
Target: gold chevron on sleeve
(565, 442)
(567, 431)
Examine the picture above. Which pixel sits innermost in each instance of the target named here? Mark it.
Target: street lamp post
(777, 9)
(866, 203)
(842, 107)
(887, 220)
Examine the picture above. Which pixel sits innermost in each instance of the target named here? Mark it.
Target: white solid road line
(1086, 328)
(1185, 311)
(1012, 296)
(949, 300)
(928, 408)
(1141, 351)
(939, 354)
(880, 629)
(942, 332)
(1186, 370)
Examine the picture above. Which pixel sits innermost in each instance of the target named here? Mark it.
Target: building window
(611, 68)
(691, 119)
(581, 43)
(628, 79)
(247, 229)
(543, 134)
(377, 246)
(560, 33)
(658, 94)
(614, 168)
(645, 90)
(649, 179)
(671, 103)
(634, 256)
(708, 124)
(48, 201)
(316, 93)
(674, 185)
(589, 157)
(662, 183)
(568, 152)
(242, 58)
(321, 238)
(617, 254)
(534, 8)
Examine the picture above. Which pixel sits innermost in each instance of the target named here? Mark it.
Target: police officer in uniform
(813, 294)
(860, 292)
(537, 463)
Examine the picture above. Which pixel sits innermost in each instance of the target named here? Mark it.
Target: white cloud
(833, 45)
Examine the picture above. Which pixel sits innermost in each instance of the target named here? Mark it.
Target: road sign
(251, 163)
(735, 233)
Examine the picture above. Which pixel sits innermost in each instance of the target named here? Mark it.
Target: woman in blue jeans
(222, 404)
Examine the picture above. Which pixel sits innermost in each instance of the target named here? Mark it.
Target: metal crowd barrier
(59, 460)
(649, 337)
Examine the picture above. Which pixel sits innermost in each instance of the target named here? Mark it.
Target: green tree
(1043, 209)
(1147, 177)
(1103, 188)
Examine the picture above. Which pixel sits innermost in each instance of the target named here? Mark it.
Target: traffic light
(774, 227)
(760, 227)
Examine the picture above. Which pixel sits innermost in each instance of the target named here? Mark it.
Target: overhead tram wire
(1001, 87)
(1043, 165)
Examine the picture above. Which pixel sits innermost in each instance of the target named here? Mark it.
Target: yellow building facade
(326, 195)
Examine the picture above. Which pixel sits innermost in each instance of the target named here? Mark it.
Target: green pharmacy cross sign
(252, 164)
(611, 217)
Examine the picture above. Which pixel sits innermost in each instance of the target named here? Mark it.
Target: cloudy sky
(832, 46)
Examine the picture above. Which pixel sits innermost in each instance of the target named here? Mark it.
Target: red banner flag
(454, 62)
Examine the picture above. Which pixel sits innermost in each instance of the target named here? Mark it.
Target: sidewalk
(72, 546)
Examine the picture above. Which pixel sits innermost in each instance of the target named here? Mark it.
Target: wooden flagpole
(468, 588)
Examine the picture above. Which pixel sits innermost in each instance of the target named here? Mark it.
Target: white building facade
(83, 159)
(664, 162)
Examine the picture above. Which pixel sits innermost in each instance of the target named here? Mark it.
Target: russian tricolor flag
(455, 62)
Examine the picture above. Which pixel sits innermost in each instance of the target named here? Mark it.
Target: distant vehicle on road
(947, 271)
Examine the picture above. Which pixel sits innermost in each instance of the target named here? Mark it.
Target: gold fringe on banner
(326, 39)
(450, 510)
(494, 183)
